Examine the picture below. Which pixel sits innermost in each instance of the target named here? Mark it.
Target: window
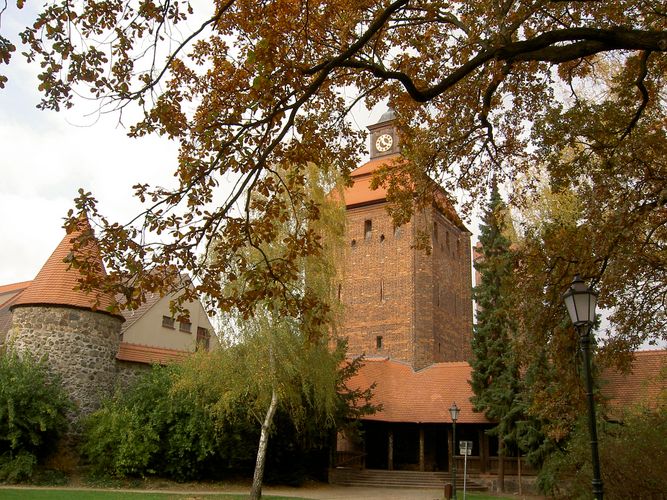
(353, 244)
(185, 326)
(340, 290)
(368, 229)
(382, 238)
(168, 322)
(378, 342)
(397, 232)
(203, 338)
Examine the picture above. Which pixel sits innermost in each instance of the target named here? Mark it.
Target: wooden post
(421, 448)
(483, 450)
(390, 451)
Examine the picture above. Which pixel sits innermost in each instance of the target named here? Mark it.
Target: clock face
(384, 143)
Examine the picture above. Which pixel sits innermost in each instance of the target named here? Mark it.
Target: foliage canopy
(485, 87)
(33, 408)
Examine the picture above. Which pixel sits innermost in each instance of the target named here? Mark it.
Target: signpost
(465, 449)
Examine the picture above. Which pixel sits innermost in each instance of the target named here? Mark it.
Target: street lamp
(581, 301)
(454, 413)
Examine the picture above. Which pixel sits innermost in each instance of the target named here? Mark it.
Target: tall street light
(454, 413)
(581, 301)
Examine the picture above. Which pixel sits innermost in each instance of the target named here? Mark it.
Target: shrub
(33, 407)
(151, 429)
(633, 459)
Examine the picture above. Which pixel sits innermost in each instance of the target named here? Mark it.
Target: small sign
(465, 448)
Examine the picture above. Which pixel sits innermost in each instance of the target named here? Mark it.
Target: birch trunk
(258, 477)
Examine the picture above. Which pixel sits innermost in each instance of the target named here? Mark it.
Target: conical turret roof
(58, 284)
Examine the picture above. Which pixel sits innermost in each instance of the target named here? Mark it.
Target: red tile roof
(644, 383)
(57, 284)
(13, 287)
(418, 396)
(148, 354)
(360, 193)
(8, 295)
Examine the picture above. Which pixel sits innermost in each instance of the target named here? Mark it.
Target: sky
(47, 156)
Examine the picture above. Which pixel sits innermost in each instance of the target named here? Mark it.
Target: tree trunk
(258, 477)
(501, 465)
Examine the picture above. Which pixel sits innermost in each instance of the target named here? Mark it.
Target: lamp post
(454, 413)
(581, 301)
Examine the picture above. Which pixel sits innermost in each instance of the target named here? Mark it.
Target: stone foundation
(80, 346)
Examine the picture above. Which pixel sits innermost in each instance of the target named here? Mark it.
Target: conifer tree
(495, 379)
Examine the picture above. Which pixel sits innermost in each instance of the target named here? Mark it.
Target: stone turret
(76, 332)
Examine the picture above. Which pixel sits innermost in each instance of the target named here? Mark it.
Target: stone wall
(80, 347)
(127, 372)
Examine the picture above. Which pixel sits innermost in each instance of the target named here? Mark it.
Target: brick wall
(377, 285)
(401, 302)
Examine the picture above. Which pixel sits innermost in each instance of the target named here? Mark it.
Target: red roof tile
(418, 396)
(56, 284)
(360, 193)
(644, 383)
(148, 354)
(9, 294)
(14, 287)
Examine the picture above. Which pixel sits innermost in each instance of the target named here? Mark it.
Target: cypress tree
(495, 376)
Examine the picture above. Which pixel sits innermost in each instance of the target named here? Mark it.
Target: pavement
(333, 492)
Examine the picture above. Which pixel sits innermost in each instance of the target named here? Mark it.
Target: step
(398, 478)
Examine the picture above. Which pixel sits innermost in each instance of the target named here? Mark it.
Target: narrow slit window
(368, 228)
(378, 342)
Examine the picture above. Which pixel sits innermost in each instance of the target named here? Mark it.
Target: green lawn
(56, 494)
(26, 493)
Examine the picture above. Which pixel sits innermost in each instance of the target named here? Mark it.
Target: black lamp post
(581, 301)
(454, 413)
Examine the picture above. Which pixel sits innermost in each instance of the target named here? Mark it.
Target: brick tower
(401, 302)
